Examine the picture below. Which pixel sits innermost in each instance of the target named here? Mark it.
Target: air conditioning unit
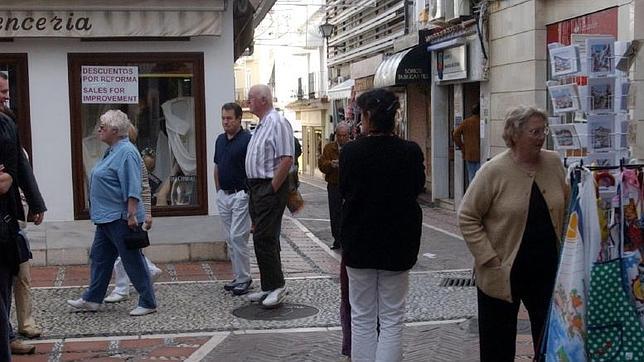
(441, 10)
(461, 8)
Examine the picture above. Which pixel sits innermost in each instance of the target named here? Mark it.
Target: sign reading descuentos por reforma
(109, 84)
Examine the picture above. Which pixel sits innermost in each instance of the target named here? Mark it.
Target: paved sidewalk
(196, 321)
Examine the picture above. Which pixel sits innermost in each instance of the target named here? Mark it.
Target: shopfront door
(15, 67)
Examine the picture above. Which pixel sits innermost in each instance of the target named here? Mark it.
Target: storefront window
(163, 96)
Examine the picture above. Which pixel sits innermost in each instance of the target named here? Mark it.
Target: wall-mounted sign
(109, 84)
(363, 84)
(108, 23)
(451, 63)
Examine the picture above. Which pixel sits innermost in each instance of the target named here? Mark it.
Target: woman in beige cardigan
(511, 218)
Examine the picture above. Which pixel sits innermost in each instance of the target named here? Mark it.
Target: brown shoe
(31, 332)
(20, 347)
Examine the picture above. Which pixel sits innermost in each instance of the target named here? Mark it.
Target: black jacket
(26, 180)
(380, 178)
(9, 201)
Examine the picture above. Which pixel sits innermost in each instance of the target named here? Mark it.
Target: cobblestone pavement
(196, 321)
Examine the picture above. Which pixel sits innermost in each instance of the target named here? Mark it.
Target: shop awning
(342, 90)
(407, 66)
(110, 18)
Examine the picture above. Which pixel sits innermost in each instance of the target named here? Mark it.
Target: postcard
(622, 91)
(580, 41)
(564, 98)
(564, 61)
(601, 92)
(582, 131)
(600, 56)
(600, 132)
(621, 131)
(565, 136)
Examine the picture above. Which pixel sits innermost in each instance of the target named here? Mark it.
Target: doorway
(15, 66)
(471, 97)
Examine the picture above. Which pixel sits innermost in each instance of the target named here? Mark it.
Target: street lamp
(327, 30)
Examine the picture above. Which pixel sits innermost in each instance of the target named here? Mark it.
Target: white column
(440, 143)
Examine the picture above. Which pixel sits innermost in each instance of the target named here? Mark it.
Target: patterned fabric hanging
(566, 329)
(614, 331)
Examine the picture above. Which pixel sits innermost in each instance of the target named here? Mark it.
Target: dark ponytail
(382, 105)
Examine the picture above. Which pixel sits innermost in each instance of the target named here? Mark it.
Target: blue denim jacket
(114, 179)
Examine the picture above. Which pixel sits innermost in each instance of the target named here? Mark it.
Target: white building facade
(167, 64)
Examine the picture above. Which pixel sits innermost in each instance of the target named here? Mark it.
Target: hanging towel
(566, 328)
(614, 331)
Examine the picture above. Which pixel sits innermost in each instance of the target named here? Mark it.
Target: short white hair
(342, 125)
(116, 119)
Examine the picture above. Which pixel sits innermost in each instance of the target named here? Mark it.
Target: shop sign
(92, 24)
(363, 84)
(601, 22)
(109, 84)
(451, 63)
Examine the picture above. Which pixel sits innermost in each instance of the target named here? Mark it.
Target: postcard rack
(590, 93)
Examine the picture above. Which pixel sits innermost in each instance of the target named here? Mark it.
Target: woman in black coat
(380, 177)
(9, 259)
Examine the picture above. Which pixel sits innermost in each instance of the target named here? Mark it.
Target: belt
(257, 181)
(233, 191)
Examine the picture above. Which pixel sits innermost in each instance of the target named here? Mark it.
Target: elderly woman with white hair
(115, 208)
(511, 218)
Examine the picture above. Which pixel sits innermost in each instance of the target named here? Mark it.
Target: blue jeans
(108, 245)
(472, 167)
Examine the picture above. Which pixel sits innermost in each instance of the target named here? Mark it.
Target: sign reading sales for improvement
(109, 84)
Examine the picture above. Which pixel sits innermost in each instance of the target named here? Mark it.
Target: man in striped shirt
(268, 160)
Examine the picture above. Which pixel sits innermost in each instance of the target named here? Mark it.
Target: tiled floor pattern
(301, 257)
(122, 349)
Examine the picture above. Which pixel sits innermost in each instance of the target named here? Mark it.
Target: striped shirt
(273, 139)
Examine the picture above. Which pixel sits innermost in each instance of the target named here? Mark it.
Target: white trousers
(235, 218)
(377, 295)
(122, 281)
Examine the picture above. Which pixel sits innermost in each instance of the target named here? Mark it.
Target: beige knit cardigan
(494, 211)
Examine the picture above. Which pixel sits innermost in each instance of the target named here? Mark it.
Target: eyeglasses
(101, 128)
(537, 132)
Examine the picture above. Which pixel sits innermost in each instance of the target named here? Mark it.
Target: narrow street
(197, 320)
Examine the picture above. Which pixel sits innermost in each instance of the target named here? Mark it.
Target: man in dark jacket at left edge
(27, 182)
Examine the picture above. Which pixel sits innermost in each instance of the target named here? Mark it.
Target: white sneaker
(275, 297)
(115, 297)
(140, 311)
(155, 274)
(257, 296)
(81, 305)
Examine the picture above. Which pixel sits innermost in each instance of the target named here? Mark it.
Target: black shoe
(230, 285)
(242, 288)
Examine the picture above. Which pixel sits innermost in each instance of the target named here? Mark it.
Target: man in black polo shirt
(232, 194)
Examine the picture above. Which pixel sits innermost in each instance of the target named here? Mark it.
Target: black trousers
(6, 279)
(335, 210)
(498, 318)
(266, 209)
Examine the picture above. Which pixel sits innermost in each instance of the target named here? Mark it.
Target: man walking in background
(232, 194)
(329, 165)
(268, 161)
(467, 137)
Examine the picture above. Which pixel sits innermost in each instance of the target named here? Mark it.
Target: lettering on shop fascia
(45, 23)
(411, 74)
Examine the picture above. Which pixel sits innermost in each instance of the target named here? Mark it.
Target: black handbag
(137, 239)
